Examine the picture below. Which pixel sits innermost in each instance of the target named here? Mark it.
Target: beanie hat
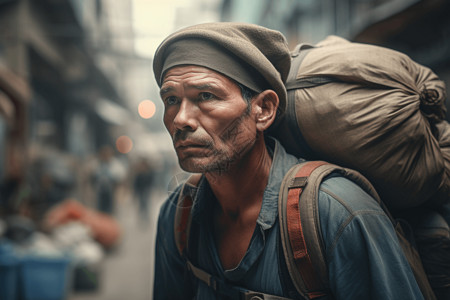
(254, 56)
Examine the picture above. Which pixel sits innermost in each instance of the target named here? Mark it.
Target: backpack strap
(292, 82)
(183, 212)
(298, 55)
(225, 289)
(300, 225)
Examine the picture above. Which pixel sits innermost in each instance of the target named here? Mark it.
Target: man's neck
(242, 187)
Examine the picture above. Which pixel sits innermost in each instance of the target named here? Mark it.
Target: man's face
(209, 121)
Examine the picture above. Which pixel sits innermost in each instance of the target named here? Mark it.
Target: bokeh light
(146, 109)
(124, 144)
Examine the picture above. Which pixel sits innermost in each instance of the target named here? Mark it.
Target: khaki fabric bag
(371, 109)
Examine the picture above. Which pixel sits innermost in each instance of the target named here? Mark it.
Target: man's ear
(265, 106)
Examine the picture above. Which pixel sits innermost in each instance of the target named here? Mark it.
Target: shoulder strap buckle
(298, 182)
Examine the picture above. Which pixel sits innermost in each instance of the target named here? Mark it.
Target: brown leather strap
(295, 230)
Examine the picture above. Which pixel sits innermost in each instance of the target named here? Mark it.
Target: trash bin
(44, 278)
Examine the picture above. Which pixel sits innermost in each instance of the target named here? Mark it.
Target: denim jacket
(364, 258)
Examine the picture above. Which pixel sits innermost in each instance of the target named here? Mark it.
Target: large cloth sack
(443, 136)
(371, 109)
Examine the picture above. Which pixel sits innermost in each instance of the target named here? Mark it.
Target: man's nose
(186, 116)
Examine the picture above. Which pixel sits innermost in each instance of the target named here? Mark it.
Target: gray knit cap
(254, 56)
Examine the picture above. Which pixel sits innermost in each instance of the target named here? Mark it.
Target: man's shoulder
(345, 209)
(340, 191)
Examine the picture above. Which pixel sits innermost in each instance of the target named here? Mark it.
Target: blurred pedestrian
(105, 180)
(142, 184)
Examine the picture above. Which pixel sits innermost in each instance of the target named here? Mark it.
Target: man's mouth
(189, 145)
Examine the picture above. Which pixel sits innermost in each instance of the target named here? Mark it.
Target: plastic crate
(44, 278)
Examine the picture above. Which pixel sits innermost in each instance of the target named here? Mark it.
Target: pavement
(127, 271)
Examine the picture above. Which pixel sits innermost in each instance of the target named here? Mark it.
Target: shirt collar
(281, 163)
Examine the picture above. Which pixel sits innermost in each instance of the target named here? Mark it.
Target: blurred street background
(85, 161)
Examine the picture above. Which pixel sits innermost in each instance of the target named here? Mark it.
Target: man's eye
(206, 96)
(171, 100)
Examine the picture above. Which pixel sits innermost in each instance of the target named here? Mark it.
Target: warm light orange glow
(124, 144)
(146, 109)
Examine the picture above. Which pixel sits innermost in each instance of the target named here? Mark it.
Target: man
(222, 88)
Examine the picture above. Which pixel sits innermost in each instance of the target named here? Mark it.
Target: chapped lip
(189, 144)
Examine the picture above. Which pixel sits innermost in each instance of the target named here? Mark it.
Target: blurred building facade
(203, 10)
(419, 28)
(65, 69)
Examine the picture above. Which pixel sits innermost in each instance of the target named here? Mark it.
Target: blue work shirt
(365, 260)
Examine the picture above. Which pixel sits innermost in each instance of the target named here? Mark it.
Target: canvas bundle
(371, 109)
